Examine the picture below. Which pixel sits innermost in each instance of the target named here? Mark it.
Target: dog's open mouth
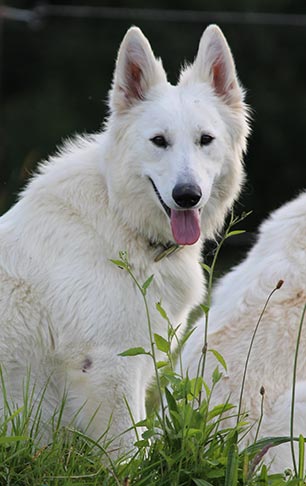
(185, 223)
(164, 205)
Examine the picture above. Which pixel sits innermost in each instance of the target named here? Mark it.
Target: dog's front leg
(105, 395)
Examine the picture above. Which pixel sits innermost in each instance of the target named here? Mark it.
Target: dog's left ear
(137, 70)
(214, 64)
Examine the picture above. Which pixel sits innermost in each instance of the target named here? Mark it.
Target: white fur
(279, 254)
(66, 310)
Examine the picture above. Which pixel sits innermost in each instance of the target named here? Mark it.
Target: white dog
(279, 254)
(162, 174)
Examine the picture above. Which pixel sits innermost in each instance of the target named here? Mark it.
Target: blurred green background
(56, 70)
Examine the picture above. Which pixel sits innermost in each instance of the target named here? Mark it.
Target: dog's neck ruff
(165, 250)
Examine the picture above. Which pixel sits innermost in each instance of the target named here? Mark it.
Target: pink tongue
(185, 226)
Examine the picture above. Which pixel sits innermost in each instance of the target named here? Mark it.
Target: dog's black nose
(186, 195)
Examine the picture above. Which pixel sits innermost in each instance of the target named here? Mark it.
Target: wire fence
(38, 17)
(43, 11)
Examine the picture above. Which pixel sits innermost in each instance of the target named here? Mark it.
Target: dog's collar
(165, 250)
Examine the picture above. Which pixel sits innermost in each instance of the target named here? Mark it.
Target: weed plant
(185, 441)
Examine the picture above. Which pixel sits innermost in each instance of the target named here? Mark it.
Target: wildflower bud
(262, 390)
(204, 349)
(279, 284)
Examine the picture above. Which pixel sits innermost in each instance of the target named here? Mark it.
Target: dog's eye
(159, 141)
(206, 139)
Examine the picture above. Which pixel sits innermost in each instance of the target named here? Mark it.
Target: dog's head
(178, 149)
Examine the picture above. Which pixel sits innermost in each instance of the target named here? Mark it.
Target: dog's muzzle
(185, 221)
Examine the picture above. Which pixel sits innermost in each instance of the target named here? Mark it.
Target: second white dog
(279, 254)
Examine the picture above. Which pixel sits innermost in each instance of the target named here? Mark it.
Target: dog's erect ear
(215, 64)
(137, 70)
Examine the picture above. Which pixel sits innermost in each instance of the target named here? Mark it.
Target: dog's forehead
(175, 107)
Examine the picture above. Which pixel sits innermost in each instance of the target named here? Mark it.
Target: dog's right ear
(137, 70)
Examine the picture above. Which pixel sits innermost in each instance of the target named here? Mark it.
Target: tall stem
(293, 390)
(211, 271)
(278, 286)
(152, 343)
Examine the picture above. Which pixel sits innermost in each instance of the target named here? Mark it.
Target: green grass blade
(9, 439)
(201, 482)
(231, 473)
(267, 442)
(293, 388)
(301, 457)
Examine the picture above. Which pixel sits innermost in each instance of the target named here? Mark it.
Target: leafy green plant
(186, 441)
(189, 443)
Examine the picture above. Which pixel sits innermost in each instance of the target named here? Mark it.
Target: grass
(186, 441)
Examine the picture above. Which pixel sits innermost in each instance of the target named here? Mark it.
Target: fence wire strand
(44, 11)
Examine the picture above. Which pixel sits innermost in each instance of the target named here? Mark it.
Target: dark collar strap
(167, 250)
